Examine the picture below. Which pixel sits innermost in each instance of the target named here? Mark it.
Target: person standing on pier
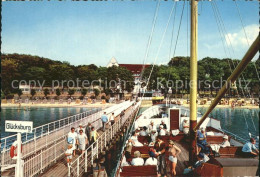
(72, 139)
(80, 128)
(112, 118)
(104, 120)
(93, 135)
(88, 130)
(82, 141)
(68, 154)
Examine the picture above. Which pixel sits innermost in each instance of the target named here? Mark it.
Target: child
(68, 154)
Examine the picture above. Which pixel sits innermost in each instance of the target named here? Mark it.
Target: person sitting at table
(137, 160)
(151, 160)
(225, 142)
(143, 132)
(153, 137)
(202, 141)
(164, 125)
(186, 126)
(151, 127)
(249, 149)
(134, 140)
(162, 131)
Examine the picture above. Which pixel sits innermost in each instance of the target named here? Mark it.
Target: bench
(148, 170)
(215, 139)
(230, 151)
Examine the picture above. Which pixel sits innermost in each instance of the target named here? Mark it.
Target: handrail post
(77, 166)
(105, 138)
(69, 170)
(35, 141)
(92, 153)
(86, 160)
(97, 147)
(41, 160)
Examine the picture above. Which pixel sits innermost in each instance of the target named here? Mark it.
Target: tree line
(28, 67)
(213, 70)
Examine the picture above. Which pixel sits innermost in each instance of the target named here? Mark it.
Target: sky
(93, 32)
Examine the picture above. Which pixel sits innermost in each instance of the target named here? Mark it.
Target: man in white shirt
(185, 126)
(151, 126)
(137, 160)
(80, 128)
(152, 159)
(153, 135)
(143, 132)
(249, 149)
(112, 118)
(162, 131)
(72, 139)
(225, 142)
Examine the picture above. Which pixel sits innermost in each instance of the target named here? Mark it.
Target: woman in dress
(134, 140)
(82, 141)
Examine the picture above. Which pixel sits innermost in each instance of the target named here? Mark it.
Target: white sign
(18, 126)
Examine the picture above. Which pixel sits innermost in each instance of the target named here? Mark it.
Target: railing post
(35, 141)
(42, 131)
(69, 170)
(92, 153)
(77, 166)
(86, 160)
(41, 160)
(97, 147)
(105, 138)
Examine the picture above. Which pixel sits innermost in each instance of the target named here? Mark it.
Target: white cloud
(239, 39)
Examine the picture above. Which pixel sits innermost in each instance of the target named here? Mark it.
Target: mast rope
(219, 23)
(150, 38)
(176, 42)
(158, 51)
(227, 39)
(243, 26)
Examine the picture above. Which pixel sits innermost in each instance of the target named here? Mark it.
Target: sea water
(239, 121)
(39, 115)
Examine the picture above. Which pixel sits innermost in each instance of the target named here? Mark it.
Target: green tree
(71, 92)
(58, 92)
(2, 94)
(46, 92)
(19, 93)
(83, 92)
(33, 92)
(10, 72)
(96, 92)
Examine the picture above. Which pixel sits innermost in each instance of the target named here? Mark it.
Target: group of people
(78, 139)
(110, 119)
(160, 154)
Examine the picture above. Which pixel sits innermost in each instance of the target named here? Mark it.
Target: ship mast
(193, 78)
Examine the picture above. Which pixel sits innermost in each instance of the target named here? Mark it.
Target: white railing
(80, 165)
(43, 136)
(42, 158)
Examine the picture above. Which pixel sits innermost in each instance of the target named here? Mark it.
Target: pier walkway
(82, 165)
(45, 145)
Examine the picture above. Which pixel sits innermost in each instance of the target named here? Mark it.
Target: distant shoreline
(64, 105)
(224, 106)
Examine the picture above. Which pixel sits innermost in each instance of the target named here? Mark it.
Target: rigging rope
(243, 26)
(150, 38)
(228, 41)
(158, 51)
(177, 38)
(219, 23)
